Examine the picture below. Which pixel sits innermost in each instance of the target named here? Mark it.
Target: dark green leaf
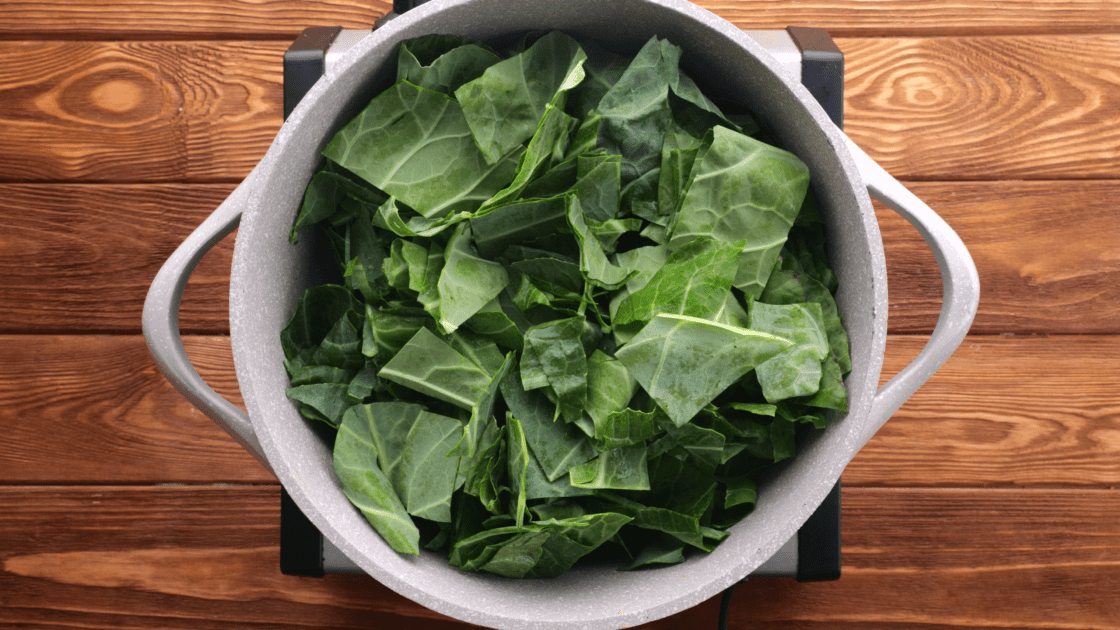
(415, 145)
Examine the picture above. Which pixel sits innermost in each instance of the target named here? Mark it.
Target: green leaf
(483, 410)
(743, 189)
(518, 222)
(626, 427)
(426, 477)
(551, 135)
(428, 365)
(404, 222)
(635, 112)
(684, 362)
(467, 282)
(662, 551)
(324, 194)
(598, 185)
(558, 446)
(519, 456)
(369, 489)
(610, 387)
(415, 145)
(623, 468)
(797, 370)
(695, 280)
(328, 399)
(317, 311)
(442, 62)
(504, 105)
(593, 263)
(554, 357)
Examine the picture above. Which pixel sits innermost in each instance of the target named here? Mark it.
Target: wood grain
(100, 247)
(137, 111)
(207, 110)
(183, 556)
(1047, 253)
(1046, 415)
(1004, 411)
(183, 19)
(100, 411)
(285, 18)
(986, 108)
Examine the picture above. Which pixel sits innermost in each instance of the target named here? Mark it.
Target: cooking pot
(269, 274)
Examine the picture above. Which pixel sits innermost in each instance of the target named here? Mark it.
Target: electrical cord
(725, 605)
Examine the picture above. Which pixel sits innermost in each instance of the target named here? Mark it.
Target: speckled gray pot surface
(269, 274)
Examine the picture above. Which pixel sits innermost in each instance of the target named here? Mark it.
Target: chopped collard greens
(579, 307)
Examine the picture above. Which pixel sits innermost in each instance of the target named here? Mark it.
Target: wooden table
(990, 500)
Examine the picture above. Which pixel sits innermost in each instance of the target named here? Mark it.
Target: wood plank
(985, 108)
(99, 247)
(1003, 411)
(176, 556)
(1046, 415)
(207, 110)
(189, 19)
(51, 19)
(1046, 252)
(101, 411)
(137, 111)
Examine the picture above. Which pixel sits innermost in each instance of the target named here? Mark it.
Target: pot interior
(269, 274)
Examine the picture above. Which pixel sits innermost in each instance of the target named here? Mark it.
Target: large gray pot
(269, 274)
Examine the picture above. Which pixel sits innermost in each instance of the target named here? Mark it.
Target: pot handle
(161, 321)
(959, 279)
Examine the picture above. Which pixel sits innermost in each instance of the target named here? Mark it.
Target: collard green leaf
(369, 489)
(389, 332)
(678, 154)
(797, 370)
(442, 62)
(327, 399)
(609, 387)
(743, 189)
(558, 446)
(426, 477)
(626, 427)
(695, 280)
(550, 138)
(467, 281)
(519, 457)
(684, 362)
(517, 222)
(740, 491)
(794, 372)
(623, 468)
(553, 275)
(635, 112)
(483, 411)
(662, 551)
(324, 195)
(317, 311)
(597, 269)
(598, 185)
(366, 252)
(387, 425)
(554, 355)
(603, 68)
(403, 222)
(504, 105)
(415, 145)
(493, 322)
(429, 365)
